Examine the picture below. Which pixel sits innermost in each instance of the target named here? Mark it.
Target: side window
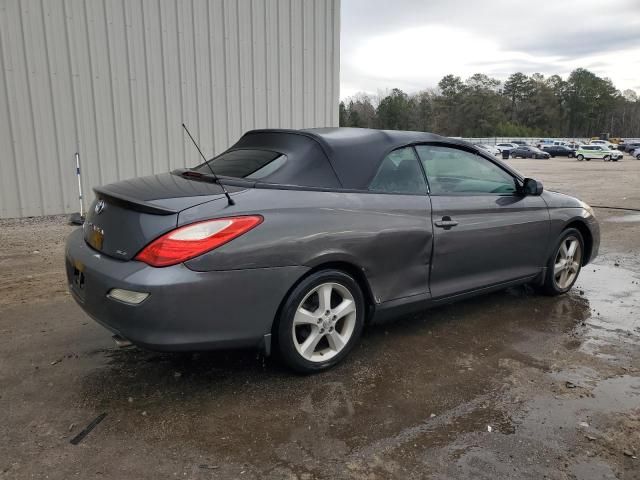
(399, 172)
(453, 171)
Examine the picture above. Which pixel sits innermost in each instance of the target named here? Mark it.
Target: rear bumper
(185, 310)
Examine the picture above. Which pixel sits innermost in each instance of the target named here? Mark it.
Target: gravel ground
(509, 385)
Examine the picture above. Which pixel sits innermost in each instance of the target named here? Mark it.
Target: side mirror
(531, 186)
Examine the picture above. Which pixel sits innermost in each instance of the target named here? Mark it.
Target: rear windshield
(244, 163)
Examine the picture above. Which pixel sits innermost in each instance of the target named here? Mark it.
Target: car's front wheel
(320, 322)
(564, 265)
(606, 158)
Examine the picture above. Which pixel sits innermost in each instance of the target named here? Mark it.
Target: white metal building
(114, 80)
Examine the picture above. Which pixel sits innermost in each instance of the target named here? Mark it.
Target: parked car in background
(506, 146)
(573, 145)
(604, 143)
(636, 153)
(520, 143)
(525, 151)
(559, 151)
(492, 149)
(587, 152)
(631, 146)
(305, 236)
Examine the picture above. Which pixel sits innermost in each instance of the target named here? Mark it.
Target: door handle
(446, 223)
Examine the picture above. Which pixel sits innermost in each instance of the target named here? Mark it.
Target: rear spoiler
(132, 203)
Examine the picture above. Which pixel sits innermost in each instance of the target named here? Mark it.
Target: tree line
(584, 105)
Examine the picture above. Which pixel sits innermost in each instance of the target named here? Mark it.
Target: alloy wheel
(324, 322)
(567, 262)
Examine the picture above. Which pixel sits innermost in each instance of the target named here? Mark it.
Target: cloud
(411, 44)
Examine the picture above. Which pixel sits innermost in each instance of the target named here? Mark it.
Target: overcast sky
(412, 44)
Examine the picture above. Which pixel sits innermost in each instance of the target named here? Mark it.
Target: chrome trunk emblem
(99, 207)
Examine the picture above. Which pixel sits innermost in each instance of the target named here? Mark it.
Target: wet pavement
(507, 385)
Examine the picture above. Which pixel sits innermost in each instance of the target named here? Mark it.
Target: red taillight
(189, 241)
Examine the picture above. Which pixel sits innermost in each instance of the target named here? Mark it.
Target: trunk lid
(127, 215)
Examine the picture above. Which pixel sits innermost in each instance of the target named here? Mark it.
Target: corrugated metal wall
(114, 79)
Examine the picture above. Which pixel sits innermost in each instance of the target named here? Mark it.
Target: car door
(485, 231)
(398, 250)
(597, 152)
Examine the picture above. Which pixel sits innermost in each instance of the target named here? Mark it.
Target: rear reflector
(127, 296)
(190, 241)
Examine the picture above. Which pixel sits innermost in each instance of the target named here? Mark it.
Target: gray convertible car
(317, 233)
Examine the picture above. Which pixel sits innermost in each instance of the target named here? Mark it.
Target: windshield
(244, 163)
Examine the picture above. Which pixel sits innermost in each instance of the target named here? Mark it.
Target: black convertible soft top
(334, 157)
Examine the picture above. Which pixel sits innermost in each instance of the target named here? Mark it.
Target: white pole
(79, 184)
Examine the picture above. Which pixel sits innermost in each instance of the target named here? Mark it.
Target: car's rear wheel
(320, 322)
(580, 157)
(606, 158)
(564, 265)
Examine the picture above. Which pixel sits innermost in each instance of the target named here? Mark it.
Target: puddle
(412, 385)
(635, 218)
(614, 298)
(554, 417)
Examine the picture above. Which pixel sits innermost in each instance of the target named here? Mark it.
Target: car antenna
(215, 177)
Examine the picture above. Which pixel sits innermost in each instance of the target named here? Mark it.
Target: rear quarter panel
(388, 237)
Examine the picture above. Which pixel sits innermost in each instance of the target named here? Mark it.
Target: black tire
(580, 157)
(606, 158)
(549, 286)
(284, 328)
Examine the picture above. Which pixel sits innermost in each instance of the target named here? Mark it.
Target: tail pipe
(121, 342)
